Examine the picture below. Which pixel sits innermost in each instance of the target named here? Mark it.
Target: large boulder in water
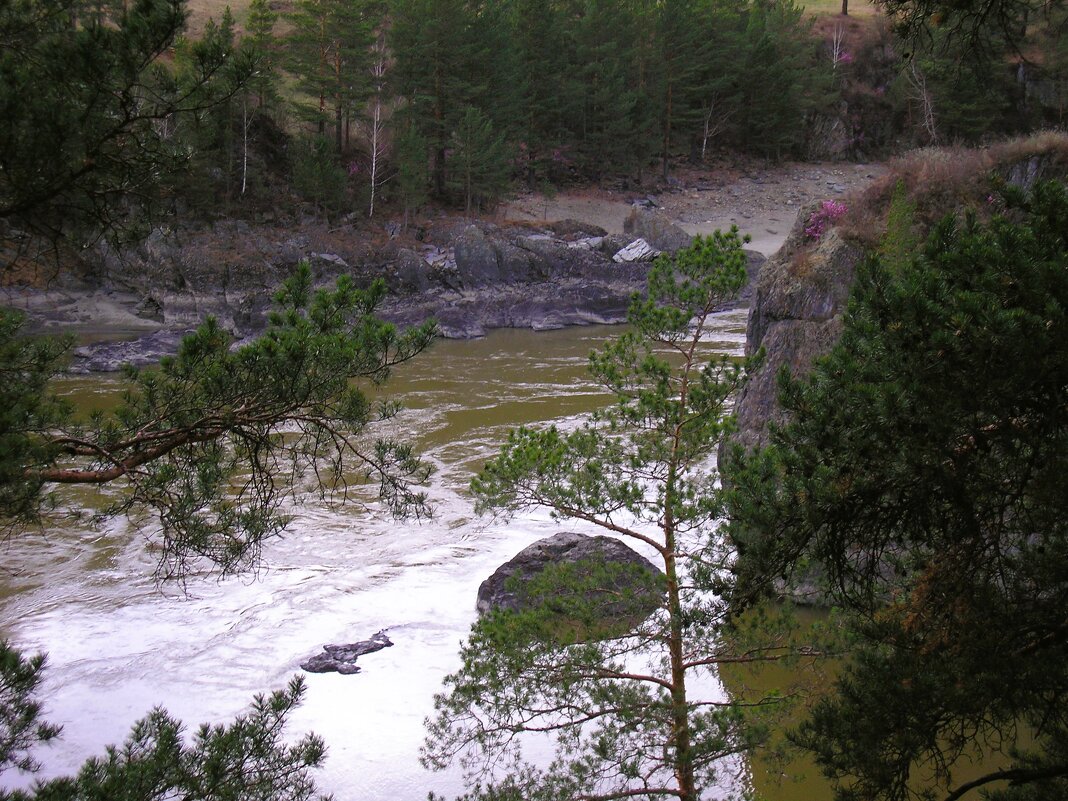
(598, 573)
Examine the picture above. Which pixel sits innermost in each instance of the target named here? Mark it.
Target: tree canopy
(924, 472)
(88, 109)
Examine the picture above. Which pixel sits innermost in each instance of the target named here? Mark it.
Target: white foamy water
(117, 646)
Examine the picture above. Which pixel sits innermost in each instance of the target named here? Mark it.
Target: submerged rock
(342, 658)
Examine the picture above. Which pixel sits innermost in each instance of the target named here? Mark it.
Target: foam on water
(117, 646)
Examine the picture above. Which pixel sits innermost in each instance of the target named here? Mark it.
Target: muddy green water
(117, 646)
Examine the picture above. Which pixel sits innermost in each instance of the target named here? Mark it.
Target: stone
(476, 259)
(331, 259)
(342, 658)
(149, 309)
(656, 229)
(638, 250)
(505, 589)
(795, 316)
(413, 273)
(576, 229)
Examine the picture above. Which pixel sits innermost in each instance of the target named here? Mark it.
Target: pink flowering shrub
(828, 212)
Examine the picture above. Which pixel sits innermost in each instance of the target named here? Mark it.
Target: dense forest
(919, 475)
(347, 104)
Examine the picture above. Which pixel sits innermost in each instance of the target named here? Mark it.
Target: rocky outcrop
(656, 229)
(633, 577)
(471, 277)
(342, 658)
(795, 316)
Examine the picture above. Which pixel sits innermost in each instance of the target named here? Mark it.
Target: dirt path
(761, 200)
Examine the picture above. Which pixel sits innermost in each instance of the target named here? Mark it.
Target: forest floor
(762, 200)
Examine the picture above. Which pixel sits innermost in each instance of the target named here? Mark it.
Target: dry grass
(200, 11)
(938, 181)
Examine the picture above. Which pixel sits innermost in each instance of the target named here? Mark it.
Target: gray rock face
(505, 588)
(342, 658)
(476, 259)
(638, 250)
(656, 229)
(796, 316)
(470, 277)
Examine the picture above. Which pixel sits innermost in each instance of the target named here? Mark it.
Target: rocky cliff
(795, 316)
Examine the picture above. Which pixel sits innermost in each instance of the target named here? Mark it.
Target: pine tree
(329, 50)
(90, 117)
(924, 471)
(435, 71)
(410, 157)
(617, 694)
(480, 164)
(251, 757)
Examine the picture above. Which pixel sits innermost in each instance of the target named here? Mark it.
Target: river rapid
(117, 645)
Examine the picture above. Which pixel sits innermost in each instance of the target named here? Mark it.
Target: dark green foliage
(202, 442)
(318, 175)
(328, 49)
(479, 164)
(593, 89)
(88, 111)
(411, 181)
(247, 759)
(612, 690)
(778, 80)
(27, 414)
(437, 70)
(21, 727)
(974, 24)
(925, 470)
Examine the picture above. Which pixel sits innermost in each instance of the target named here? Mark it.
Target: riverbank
(538, 262)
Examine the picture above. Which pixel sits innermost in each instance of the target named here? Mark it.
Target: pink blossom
(828, 212)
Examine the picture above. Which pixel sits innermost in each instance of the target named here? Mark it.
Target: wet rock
(628, 575)
(342, 658)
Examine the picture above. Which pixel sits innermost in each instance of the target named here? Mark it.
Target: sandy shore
(762, 201)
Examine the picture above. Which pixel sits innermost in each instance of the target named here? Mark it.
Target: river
(117, 645)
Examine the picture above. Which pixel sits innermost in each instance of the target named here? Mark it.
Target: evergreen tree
(618, 694)
(249, 758)
(924, 471)
(208, 414)
(607, 98)
(545, 97)
(329, 48)
(684, 47)
(435, 71)
(264, 46)
(21, 726)
(410, 156)
(479, 166)
(89, 112)
(778, 78)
